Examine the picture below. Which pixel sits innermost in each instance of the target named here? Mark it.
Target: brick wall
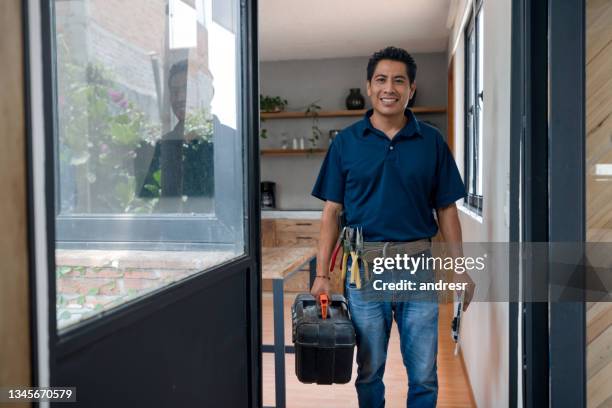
(140, 23)
(92, 281)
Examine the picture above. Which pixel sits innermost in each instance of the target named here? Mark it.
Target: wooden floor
(453, 392)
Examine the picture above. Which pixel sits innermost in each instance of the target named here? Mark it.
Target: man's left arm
(450, 227)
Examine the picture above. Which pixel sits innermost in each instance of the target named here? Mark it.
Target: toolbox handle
(324, 301)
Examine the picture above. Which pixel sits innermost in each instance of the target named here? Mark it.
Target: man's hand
(450, 227)
(320, 286)
(469, 288)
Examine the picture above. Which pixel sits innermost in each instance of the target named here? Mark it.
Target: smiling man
(389, 173)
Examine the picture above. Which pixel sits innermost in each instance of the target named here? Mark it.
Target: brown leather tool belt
(373, 250)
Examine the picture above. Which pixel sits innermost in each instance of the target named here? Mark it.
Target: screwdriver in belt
(355, 277)
(360, 253)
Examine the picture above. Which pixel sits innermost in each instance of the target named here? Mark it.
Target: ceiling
(312, 29)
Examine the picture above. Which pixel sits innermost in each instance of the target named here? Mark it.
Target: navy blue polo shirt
(390, 187)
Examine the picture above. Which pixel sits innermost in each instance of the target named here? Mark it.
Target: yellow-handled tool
(355, 276)
(343, 269)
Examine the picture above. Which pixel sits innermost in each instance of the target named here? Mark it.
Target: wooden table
(278, 264)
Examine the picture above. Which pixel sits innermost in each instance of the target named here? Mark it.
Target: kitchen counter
(291, 214)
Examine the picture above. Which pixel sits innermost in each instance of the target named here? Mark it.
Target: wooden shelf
(341, 113)
(291, 152)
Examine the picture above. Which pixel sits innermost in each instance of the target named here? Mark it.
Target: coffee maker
(268, 195)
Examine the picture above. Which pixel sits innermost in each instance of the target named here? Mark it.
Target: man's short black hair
(393, 54)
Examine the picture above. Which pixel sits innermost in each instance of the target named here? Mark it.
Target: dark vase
(355, 100)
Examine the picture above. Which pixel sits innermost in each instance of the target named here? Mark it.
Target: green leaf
(79, 269)
(98, 107)
(81, 300)
(153, 189)
(98, 307)
(64, 270)
(80, 158)
(93, 291)
(122, 118)
(65, 315)
(124, 134)
(157, 176)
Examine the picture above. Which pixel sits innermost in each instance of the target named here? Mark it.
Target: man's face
(390, 88)
(178, 94)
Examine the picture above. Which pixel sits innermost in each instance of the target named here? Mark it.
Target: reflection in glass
(148, 147)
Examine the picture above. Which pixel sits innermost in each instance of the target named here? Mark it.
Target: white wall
(485, 325)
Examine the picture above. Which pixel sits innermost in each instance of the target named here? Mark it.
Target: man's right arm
(327, 240)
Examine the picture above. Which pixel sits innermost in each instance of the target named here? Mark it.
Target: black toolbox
(323, 347)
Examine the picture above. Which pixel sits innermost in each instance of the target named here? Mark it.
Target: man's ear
(368, 90)
(412, 89)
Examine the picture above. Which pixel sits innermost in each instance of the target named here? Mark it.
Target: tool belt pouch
(373, 250)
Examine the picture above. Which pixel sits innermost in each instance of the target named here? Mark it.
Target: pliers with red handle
(332, 264)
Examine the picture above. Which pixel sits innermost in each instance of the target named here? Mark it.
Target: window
(149, 174)
(474, 98)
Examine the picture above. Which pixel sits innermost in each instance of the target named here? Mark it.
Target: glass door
(151, 124)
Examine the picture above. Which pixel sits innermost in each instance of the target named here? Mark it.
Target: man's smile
(388, 100)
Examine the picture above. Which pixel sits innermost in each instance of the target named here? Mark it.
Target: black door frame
(528, 201)
(548, 132)
(567, 138)
(248, 265)
(531, 177)
(517, 104)
(250, 53)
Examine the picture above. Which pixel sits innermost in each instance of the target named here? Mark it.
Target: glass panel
(599, 191)
(479, 99)
(470, 86)
(149, 166)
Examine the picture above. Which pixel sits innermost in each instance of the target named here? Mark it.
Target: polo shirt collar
(411, 128)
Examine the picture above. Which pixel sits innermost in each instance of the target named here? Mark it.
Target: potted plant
(272, 104)
(100, 136)
(312, 110)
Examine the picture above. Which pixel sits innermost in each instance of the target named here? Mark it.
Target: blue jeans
(417, 322)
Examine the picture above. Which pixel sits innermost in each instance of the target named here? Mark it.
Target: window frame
(473, 112)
